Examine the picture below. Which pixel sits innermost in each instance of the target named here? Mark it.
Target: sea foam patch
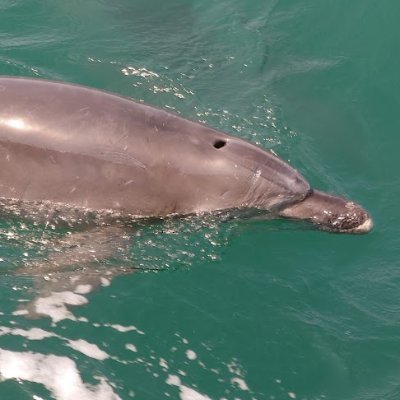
(122, 328)
(185, 392)
(54, 305)
(58, 374)
(88, 349)
(30, 334)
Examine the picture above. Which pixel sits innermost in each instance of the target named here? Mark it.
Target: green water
(241, 310)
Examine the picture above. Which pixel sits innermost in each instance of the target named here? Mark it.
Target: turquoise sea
(219, 309)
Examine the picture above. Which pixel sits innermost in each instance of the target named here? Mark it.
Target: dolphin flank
(83, 147)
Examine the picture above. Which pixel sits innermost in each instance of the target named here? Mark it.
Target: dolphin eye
(219, 143)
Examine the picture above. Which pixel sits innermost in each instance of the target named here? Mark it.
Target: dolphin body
(80, 147)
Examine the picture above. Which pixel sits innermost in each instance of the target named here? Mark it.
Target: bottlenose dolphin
(86, 148)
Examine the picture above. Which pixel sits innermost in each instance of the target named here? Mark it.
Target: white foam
(58, 374)
(234, 368)
(173, 380)
(20, 312)
(191, 355)
(190, 394)
(105, 282)
(163, 364)
(33, 333)
(54, 305)
(121, 328)
(84, 347)
(131, 347)
(30, 334)
(186, 393)
(89, 349)
(240, 383)
(83, 289)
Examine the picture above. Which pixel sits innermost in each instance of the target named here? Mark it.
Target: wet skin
(82, 147)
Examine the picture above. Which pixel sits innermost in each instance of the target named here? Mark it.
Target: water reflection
(55, 267)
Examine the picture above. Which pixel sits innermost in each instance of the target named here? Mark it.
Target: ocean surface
(217, 309)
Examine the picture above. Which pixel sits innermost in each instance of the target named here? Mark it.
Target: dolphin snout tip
(365, 227)
(358, 214)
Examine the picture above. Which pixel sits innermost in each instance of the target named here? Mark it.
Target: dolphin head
(257, 178)
(330, 213)
(246, 176)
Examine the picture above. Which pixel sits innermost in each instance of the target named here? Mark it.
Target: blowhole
(219, 143)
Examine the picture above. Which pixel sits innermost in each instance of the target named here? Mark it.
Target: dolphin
(80, 147)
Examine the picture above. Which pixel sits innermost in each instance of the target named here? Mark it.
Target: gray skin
(87, 148)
